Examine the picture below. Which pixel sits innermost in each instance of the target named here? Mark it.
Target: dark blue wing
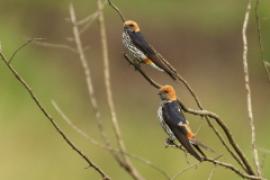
(172, 116)
(139, 41)
(173, 113)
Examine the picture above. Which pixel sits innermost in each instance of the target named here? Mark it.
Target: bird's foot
(169, 142)
(137, 65)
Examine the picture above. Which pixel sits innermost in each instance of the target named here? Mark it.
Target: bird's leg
(135, 64)
(169, 142)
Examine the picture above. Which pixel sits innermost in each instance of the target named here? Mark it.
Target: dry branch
(105, 57)
(211, 173)
(244, 164)
(211, 115)
(242, 161)
(54, 45)
(21, 47)
(117, 10)
(194, 165)
(87, 74)
(109, 148)
(248, 89)
(49, 117)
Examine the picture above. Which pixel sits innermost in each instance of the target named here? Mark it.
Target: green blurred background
(201, 38)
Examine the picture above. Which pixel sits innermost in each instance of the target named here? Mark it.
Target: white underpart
(132, 51)
(156, 67)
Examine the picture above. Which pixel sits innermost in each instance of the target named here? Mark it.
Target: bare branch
(243, 162)
(117, 10)
(231, 167)
(264, 150)
(88, 21)
(138, 68)
(235, 146)
(217, 163)
(227, 132)
(87, 74)
(194, 165)
(248, 90)
(109, 148)
(21, 47)
(51, 120)
(211, 173)
(54, 45)
(105, 57)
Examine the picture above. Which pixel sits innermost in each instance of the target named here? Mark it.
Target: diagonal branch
(243, 162)
(221, 164)
(51, 120)
(20, 48)
(248, 89)
(194, 165)
(117, 10)
(233, 143)
(231, 167)
(109, 148)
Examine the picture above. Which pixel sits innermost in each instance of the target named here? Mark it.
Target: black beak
(162, 95)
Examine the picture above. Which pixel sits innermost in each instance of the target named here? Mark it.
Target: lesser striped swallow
(175, 124)
(140, 51)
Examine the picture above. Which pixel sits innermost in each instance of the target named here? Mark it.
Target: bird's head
(132, 26)
(167, 93)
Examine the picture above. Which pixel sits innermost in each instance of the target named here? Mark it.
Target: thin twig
(87, 74)
(264, 150)
(51, 120)
(21, 47)
(54, 45)
(109, 148)
(231, 167)
(248, 89)
(211, 173)
(138, 68)
(90, 88)
(222, 164)
(117, 10)
(88, 21)
(194, 165)
(105, 57)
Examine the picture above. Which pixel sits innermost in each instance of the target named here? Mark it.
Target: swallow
(174, 123)
(140, 51)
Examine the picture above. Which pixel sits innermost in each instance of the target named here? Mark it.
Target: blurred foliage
(201, 38)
